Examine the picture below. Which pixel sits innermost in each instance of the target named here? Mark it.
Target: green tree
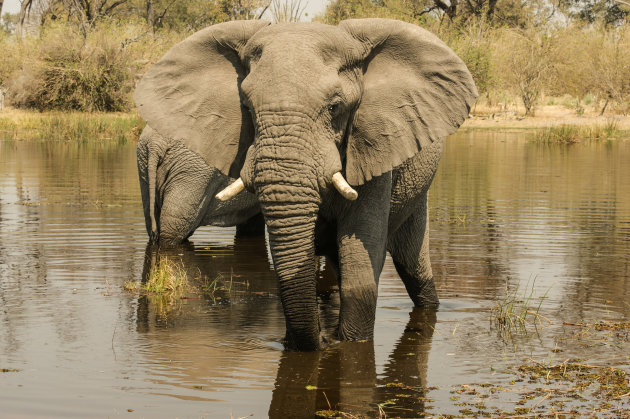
(610, 12)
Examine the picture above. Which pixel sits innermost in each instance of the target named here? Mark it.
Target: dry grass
(570, 134)
(71, 126)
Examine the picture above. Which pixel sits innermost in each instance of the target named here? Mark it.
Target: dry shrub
(609, 58)
(593, 60)
(571, 78)
(65, 70)
(473, 44)
(524, 62)
(10, 57)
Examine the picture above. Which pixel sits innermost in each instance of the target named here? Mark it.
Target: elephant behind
(334, 133)
(178, 189)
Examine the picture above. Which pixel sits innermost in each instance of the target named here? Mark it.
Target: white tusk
(231, 190)
(342, 186)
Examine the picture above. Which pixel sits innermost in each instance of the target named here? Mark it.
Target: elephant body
(180, 187)
(292, 111)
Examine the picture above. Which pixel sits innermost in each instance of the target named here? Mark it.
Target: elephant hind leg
(409, 247)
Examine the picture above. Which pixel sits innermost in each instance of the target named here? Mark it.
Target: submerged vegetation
(601, 325)
(572, 388)
(610, 383)
(76, 126)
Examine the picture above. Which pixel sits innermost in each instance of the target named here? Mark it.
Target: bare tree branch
(260, 15)
(112, 7)
(287, 10)
(25, 9)
(158, 20)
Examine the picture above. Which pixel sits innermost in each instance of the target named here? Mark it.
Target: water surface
(508, 218)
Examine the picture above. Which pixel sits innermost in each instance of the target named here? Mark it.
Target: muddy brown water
(508, 217)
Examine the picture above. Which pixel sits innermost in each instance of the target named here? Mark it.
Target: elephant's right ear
(192, 94)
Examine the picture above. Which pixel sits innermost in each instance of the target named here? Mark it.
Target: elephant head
(294, 109)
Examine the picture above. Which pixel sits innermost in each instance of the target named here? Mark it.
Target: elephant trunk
(286, 182)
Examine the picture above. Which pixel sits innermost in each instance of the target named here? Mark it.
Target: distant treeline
(87, 55)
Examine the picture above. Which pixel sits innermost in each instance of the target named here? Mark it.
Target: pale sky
(314, 7)
(11, 6)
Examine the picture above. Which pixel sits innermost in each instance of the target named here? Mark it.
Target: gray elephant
(177, 188)
(336, 133)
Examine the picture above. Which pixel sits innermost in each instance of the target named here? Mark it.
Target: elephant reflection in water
(217, 337)
(209, 340)
(246, 259)
(254, 287)
(245, 263)
(346, 379)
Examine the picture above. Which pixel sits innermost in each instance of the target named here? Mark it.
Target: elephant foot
(424, 294)
(291, 344)
(356, 330)
(344, 335)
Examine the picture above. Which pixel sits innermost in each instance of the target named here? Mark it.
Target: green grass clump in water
(171, 280)
(571, 134)
(515, 312)
(167, 277)
(562, 134)
(70, 126)
(210, 287)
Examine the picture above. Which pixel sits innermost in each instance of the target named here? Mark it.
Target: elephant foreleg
(361, 237)
(409, 247)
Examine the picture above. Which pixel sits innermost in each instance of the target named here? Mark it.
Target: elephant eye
(334, 109)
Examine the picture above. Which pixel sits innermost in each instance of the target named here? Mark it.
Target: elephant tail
(151, 175)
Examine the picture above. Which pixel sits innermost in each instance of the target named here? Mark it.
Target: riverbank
(545, 116)
(17, 124)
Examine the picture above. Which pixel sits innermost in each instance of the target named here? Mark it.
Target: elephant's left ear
(416, 91)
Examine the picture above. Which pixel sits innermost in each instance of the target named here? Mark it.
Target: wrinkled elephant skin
(335, 133)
